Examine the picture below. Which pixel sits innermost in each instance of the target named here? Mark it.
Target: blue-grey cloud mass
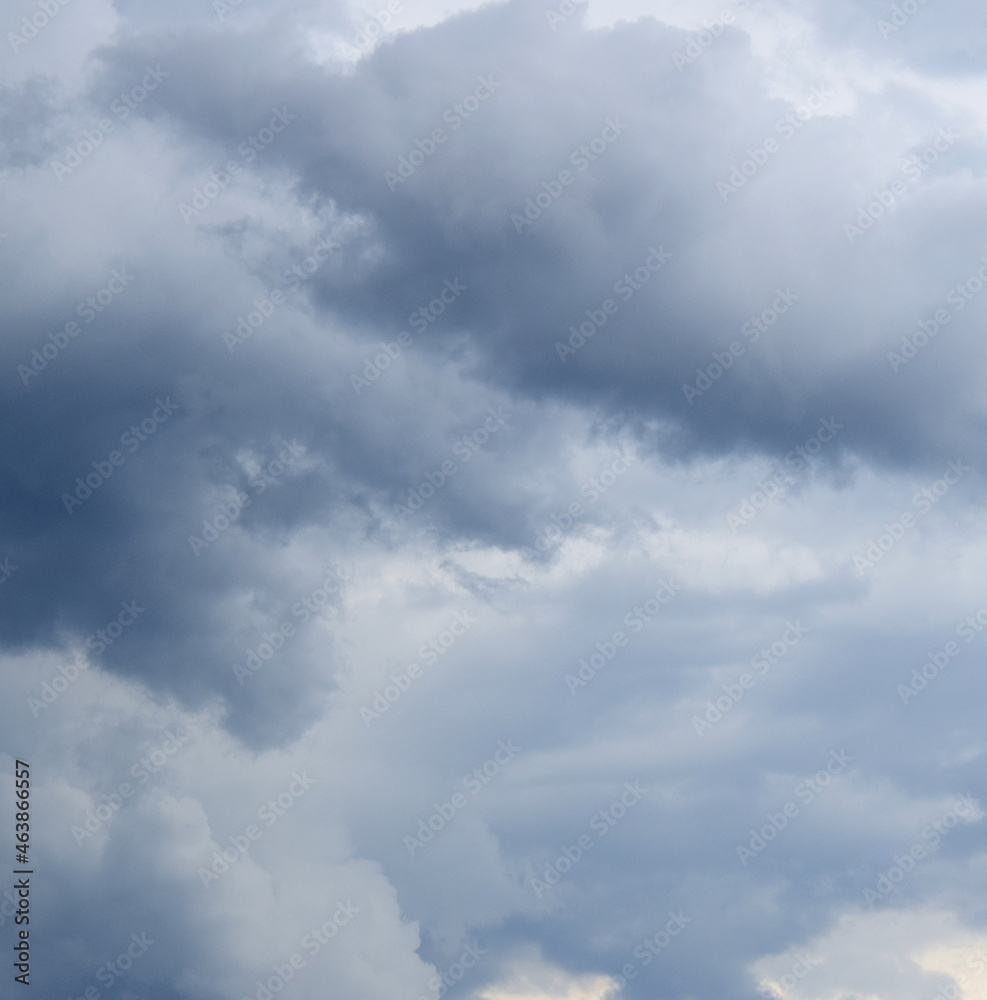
(491, 499)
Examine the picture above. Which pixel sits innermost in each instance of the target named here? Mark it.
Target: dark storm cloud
(655, 242)
(265, 431)
(665, 181)
(128, 428)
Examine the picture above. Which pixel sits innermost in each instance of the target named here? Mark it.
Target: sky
(491, 499)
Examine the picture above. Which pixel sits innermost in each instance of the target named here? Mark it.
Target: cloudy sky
(490, 498)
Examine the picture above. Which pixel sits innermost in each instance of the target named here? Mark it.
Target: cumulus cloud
(490, 497)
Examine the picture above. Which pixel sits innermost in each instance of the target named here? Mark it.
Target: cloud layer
(491, 499)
